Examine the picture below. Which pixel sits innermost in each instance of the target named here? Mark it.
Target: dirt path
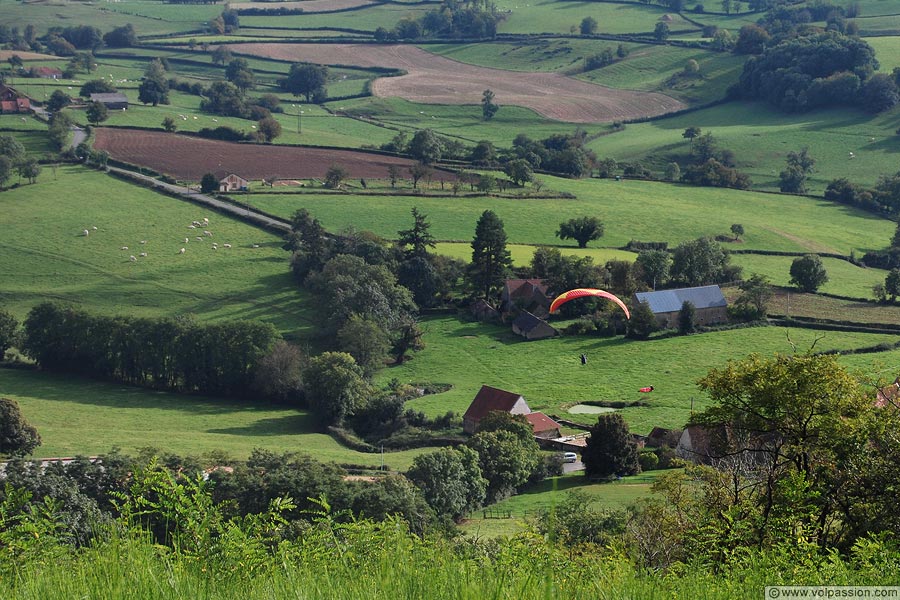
(433, 79)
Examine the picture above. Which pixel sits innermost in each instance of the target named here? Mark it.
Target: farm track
(432, 79)
(189, 158)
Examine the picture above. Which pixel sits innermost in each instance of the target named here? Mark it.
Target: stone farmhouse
(709, 303)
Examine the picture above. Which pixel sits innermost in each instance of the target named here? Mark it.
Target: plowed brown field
(189, 158)
(433, 79)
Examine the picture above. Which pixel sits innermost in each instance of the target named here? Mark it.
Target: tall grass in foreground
(365, 561)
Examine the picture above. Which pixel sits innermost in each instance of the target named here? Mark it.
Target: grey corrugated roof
(109, 97)
(664, 301)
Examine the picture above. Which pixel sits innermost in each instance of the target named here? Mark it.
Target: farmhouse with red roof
(490, 399)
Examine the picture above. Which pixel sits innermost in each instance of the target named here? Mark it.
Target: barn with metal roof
(709, 304)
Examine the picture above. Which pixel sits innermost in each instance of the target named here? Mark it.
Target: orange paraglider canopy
(581, 293)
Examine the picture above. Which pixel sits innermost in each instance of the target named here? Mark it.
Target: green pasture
(550, 376)
(872, 8)
(887, 51)
(553, 492)
(553, 16)
(521, 254)
(82, 416)
(464, 122)
(629, 209)
(368, 19)
(30, 132)
(879, 25)
(537, 54)
(659, 69)
(732, 22)
(189, 16)
(44, 15)
(844, 278)
(44, 255)
(761, 138)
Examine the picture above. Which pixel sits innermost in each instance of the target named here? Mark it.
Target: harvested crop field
(188, 158)
(433, 79)
(309, 6)
(7, 54)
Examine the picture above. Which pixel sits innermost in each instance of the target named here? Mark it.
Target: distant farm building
(112, 100)
(489, 399)
(525, 294)
(12, 102)
(45, 72)
(709, 304)
(232, 183)
(889, 394)
(531, 328)
(544, 427)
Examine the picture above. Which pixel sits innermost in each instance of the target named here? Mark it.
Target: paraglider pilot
(584, 359)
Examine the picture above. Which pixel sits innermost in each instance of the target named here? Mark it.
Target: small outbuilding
(483, 311)
(544, 427)
(709, 303)
(489, 399)
(233, 183)
(111, 100)
(532, 328)
(46, 72)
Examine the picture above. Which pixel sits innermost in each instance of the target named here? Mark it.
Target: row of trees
(172, 354)
(454, 19)
(14, 159)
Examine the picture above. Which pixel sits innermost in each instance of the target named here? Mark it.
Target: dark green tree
(588, 26)
(491, 260)
(582, 230)
(451, 480)
(279, 374)
(701, 262)
(121, 37)
(268, 129)
(221, 55)
(417, 240)
(95, 86)
(892, 284)
(642, 322)
(335, 387)
(30, 168)
(96, 113)
(305, 79)
(365, 341)
(756, 292)
(610, 449)
(58, 100)
(737, 230)
(240, 74)
(425, 146)
(686, 317)
(507, 462)
(661, 32)
(488, 107)
(653, 267)
(808, 273)
(799, 166)
(17, 437)
(334, 176)
(209, 183)
(519, 170)
(407, 336)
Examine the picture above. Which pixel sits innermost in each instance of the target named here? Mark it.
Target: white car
(570, 457)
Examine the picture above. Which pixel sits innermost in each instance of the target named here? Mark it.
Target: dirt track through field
(310, 6)
(433, 79)
(188, 158)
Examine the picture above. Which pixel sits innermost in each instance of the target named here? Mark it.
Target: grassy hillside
(629, 210)
(45, 256)
(76, 416)
(549, 375)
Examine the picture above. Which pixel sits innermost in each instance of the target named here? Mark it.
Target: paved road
(78, 136)
(575, 466)
(245, 214)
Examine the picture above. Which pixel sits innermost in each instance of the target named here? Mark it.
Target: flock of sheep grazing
(202, 225)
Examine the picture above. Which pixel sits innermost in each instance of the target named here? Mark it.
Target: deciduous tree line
(170, 354)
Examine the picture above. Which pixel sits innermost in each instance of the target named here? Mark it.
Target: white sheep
(132, 258)
(207, 233)
(86, 232)
(124, 248)
(256, 245)
(215, 247)
(199, 238)
(226, 245)
(181, 251)
(94, 228)
(195, 223)
(143, 241)
(143, 255)
(186, 240)
(206, 219)
(192, 227)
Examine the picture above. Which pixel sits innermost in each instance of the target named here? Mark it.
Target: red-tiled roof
(541, 422)
(488, 399)
(888, 394)
(524, 287)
